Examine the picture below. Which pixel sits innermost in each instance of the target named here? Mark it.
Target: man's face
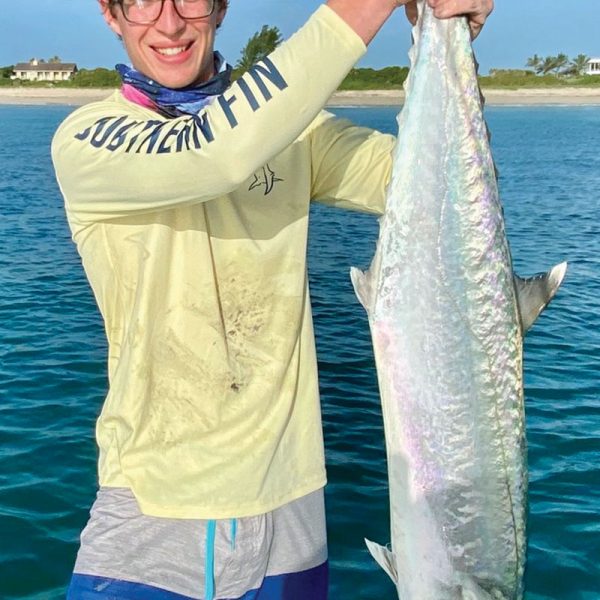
(173, 52)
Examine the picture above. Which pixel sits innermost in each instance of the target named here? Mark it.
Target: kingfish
(447, 319)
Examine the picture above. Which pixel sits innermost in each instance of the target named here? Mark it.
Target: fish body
(447, 325)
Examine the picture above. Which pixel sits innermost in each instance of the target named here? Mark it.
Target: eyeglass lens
(149, 11)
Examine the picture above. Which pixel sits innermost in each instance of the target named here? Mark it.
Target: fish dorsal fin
(535, 293)
(384, 558)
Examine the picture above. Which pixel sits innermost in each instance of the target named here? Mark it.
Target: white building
(593, 66)
(37, 70)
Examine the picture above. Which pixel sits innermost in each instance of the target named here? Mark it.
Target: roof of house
(594, 60)
(46, 67)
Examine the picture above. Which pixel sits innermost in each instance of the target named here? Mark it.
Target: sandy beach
(40, 96)
(518, 97)
(534, 96)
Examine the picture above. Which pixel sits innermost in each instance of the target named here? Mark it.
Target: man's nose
(170, 23)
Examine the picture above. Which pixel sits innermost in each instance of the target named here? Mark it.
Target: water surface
(53, 377)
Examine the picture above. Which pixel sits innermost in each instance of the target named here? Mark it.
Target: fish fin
(469, 589)
(384, 558)
(362, 287)
(535, 293)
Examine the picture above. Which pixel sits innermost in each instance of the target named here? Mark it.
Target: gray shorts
(281, 555)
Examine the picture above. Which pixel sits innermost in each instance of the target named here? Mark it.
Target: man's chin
(174, 83)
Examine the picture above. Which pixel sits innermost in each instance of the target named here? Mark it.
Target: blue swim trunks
(125, 555)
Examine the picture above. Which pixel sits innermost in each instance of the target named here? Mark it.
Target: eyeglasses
(148, 12)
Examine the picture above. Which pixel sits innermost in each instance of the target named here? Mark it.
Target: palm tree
(561, 61)
(547, 65)
(55, 59)
(535, 63)
(579, 64)
(259, 45)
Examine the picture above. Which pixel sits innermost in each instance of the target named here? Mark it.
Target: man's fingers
(451, 8)
(412, 13)
(476, 10)
(475, 29)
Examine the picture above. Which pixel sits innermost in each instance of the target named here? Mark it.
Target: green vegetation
(560, 65)
(392, 78)
(516, 78)
(95, 78)
(541, 72)
(512, 79)
(261, 44)
(85, 78)
(389, 78)
(549, 71)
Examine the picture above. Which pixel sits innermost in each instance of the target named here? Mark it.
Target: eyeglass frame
(162, 7)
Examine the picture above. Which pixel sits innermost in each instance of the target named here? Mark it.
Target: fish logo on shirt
(265, 177)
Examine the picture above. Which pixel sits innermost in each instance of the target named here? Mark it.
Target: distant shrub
(511, 73)
(22, 83)
(389, 78)
(6, 72)
(95, 78)
(587, 80)
(510, 78)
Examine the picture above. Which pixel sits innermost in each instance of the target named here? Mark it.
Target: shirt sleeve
(351, 165)
(113, 159)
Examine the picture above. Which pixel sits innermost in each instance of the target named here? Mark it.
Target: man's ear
(109, 17)
(221, 15)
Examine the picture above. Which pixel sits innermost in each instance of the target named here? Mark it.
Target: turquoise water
(52, 352)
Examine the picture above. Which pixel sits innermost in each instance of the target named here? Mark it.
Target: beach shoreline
(517, 97)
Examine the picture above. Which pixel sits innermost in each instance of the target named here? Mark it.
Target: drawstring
(233, 533)
(209, 567)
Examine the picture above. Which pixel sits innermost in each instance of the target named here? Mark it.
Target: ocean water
(53, 378)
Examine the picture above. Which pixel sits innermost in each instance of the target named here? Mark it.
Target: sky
(74, 30)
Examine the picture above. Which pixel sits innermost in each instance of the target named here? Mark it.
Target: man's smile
(170, 51)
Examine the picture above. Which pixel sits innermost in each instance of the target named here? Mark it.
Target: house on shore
(39, 70)
(593, 66)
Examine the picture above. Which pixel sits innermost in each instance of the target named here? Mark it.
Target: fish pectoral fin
(385, 558)
(362, 287)
(535, 293)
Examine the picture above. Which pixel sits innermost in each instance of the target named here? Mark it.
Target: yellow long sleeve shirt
(193, 232)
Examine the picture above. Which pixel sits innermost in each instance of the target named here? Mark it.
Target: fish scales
(447, 336)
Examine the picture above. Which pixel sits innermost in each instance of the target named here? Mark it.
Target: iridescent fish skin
(447, 332)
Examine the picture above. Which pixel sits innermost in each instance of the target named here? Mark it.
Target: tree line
(52, 60)
(263, 42)
(93, 78)
(560, 65)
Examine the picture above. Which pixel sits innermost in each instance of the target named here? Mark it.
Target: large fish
(447, 319)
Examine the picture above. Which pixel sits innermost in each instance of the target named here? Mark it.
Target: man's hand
(477, 11)
(365, 16)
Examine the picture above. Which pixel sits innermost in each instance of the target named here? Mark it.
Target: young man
(188, 199)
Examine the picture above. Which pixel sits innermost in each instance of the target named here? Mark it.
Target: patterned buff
(174, 102)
